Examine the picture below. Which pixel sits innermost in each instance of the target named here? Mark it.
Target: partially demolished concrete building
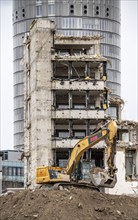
(65, 97)
(65, 94)
(72, 18)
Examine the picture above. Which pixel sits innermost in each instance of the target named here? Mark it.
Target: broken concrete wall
(123, 186)
(126, 159)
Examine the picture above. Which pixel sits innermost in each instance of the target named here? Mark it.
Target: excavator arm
(108, 133)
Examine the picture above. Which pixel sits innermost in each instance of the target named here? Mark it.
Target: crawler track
(66, 185)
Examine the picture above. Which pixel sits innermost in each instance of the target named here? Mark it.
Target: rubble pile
(67, 204)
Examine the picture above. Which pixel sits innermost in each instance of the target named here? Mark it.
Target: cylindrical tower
(72, 17)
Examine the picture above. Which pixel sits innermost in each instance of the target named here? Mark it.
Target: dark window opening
(5, 156)
(131, 170)
(13, 171)
(92, 158)
(71, 11)
(107, 9)
(61, 157)
(85, 11)
(16, 17)
(23, 15)
(62, 101)
(16, 12)
(97, 10)
(85, 6)
(98, 157)
(79, 102)
(71, 6)
(60, 70)
(23, 10)
(22, 171)
(107, 14)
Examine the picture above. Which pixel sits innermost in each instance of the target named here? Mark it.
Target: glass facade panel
(72, 23)
(5, 171)
(18, 102)
(14, 171)
(110, 26)
(18, 40)
(92, 24)
(17, 66)
(17, 53)
(18, 139)
(51, 7)
(114, 76)
(110, 51)
(112, 112)
(18, 126)
(18, 89)
(22, 171)
(19, 27)
(38, 10)
(115, 88)
(110, 38)
(18, 77)
(114, 64)
(18, 114)
(10, 171)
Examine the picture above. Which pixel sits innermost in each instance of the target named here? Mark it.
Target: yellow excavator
(99, 177)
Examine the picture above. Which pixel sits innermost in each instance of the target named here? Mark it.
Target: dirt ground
(67, 204)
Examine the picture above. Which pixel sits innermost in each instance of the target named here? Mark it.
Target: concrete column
(70, 128)
(88, 127)
(70, 70)
(38, 146)
(87, 99)
(97, 48)
(70, 99)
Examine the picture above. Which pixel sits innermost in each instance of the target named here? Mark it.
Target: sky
(129, 71)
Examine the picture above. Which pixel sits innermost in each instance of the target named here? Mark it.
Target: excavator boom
(99, 177)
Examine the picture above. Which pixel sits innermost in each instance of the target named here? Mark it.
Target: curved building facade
(72, 17)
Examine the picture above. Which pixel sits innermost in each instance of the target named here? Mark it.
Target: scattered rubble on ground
(67, 204)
